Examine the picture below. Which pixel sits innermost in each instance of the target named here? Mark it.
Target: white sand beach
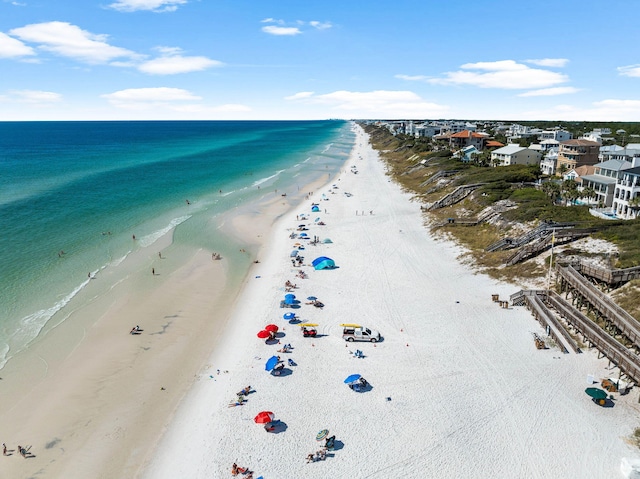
(458, 388)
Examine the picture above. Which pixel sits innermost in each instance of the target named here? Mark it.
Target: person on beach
(159, 254)
(4, 449)
(235, 469)
(153, 271)
(134, 237)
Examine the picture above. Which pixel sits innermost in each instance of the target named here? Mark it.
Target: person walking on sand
(4, 449)
(153, 271)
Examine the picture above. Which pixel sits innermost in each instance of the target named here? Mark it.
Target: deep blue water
(86, 187)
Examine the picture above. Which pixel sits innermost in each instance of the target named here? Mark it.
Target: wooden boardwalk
(616, 319)
(612, 277)
(545, 305)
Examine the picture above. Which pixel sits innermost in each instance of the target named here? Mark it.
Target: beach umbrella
(289, 316)
(271, 363)
(303, 235)
(596, 393)
(311, 298)
(327, 240)
(322, 262)
(352, 379)
(263, 334)
(322, 434)
(263, 417)
(271, 327)
(289, 298)
(317, 219)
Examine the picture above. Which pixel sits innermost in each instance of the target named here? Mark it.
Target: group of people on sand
(24, 451)
(321, 454)
(235, 470)
(215, 256)
(289, 284)
(241, 397)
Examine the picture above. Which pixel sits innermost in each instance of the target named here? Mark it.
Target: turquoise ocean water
(86, 187)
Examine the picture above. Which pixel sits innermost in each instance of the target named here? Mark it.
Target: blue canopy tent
(315, 209)
(323, 262)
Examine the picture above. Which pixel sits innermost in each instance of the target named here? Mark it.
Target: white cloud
(506, 74)
(274, 30)
(12, 48)
(604, 110)
(272, 20)
(143, 98)
(299, 95)
(320, 25)
(33, 97)
(172, 62)
(549, 62)
(412, 77)
(380, 103)
(71, 41)
(150, 5)
(630, 71)
(561, 90)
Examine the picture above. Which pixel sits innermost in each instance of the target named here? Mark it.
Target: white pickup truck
(359, 333)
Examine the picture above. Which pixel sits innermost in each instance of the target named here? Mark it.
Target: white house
(513, 154)
(627, 188)
(557, 135)
(549, 162)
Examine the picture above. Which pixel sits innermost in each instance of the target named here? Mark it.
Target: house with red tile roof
(465, 138)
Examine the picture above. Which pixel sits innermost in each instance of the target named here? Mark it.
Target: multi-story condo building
(574, 153)
(627, 189)
(604, 179)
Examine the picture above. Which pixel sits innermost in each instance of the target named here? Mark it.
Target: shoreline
(92, 399)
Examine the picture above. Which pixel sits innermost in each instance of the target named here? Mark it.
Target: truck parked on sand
(355, 332)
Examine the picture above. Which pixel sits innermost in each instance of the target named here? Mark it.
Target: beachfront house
(549, 162)
(468, 154)
(626, 198)
(604, 179)
(467, 138)
(513, 154)
(574, 153)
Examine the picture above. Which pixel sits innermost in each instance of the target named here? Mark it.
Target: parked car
(360, 333)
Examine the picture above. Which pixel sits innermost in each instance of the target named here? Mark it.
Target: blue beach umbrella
(271, 363)
(352, 379)
(323, 262)
(289, 298)
(312, 298)
(289, 316)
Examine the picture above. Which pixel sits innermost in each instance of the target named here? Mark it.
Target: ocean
(73, 195)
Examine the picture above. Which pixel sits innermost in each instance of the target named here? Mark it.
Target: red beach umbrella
(264, 334)
(271, 327)
(263, 417)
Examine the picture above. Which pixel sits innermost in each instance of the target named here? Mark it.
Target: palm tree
(588, 193)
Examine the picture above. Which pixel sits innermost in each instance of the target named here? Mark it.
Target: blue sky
(282, 59)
